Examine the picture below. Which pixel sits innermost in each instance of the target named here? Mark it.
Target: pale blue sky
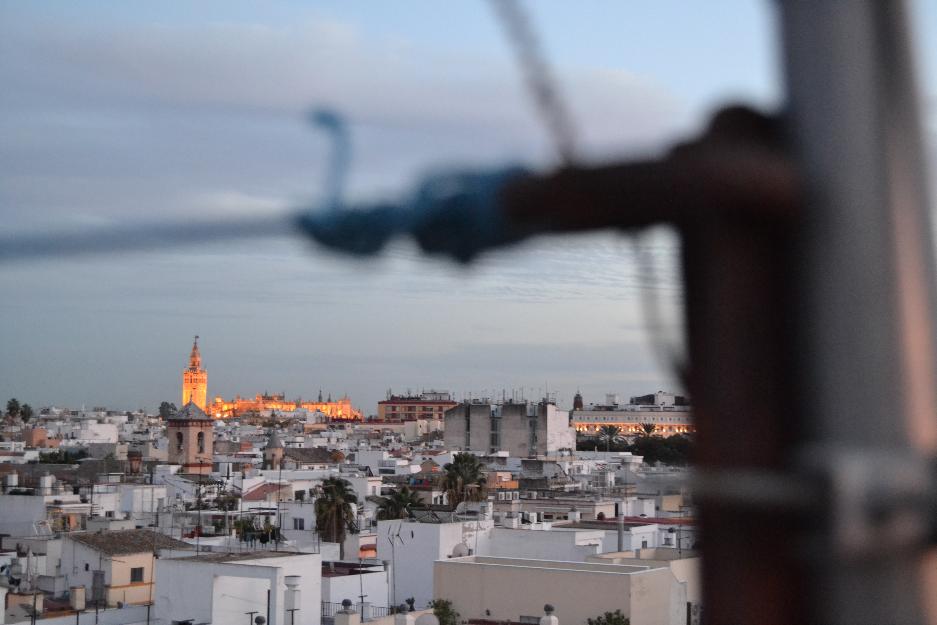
(114, 112)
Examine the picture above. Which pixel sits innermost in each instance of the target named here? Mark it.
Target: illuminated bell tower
(195, 380)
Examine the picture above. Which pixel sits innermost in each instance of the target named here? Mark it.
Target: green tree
(672, 450)
(443, 610)
(609, 618)
(464, 479)
(26, 413)
(13, 408)
(648, 429)
(609, 434)
(333, 511)
(167, 409)
(399, 504)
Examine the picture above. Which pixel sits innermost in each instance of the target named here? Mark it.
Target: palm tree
(13, 408)
(333, 511)
(399, 504)
(610, 434)
(464, 479)
(648, 428)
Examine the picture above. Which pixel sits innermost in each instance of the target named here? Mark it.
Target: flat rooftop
(240, 556)
(556, 565)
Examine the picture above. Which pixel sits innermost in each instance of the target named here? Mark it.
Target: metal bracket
(867, 502)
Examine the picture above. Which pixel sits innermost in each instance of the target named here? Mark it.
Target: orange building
(195, 380)
(338, 410)
(195, 390)
(426, 405)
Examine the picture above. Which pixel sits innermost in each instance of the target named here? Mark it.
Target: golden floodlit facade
(195, 380)
(195, 390)
(337, 410)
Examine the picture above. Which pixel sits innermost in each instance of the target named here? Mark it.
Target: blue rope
(455, 214)
(337, 172)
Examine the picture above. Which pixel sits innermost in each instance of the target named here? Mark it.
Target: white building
(668, 413)
(116, 567)
(412, 547)
(509, 589)
(221, 588)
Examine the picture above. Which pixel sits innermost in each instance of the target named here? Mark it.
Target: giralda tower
(195, 379)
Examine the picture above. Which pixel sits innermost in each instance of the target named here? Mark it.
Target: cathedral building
(195, 380)
(336, 410)
(195, 391)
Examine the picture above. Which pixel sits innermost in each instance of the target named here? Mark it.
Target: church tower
(191, 441)
(195, 380)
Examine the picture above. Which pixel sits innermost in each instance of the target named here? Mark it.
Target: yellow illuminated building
(338, 410)
(666, 422)
(195, 380)
(195, 389)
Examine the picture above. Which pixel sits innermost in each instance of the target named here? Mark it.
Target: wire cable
(538, 76)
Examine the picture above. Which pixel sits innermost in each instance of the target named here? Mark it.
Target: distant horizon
(120, 114)
(520, 393)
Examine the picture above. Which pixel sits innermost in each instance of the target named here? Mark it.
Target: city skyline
(117, 115)
(562, 396)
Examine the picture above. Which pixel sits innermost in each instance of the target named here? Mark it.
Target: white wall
(19, 512)
(560, 435)
(554, 544)
(418, 546)
(335, 589)
(141, 501)
(220, 593)
(635, 538)
(509, 589)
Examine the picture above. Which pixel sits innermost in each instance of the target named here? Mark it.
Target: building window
(178, 441)
(495, 441)
(201, 442)
(468, 428)
(299, 524)
(136, 574)
(532, 435)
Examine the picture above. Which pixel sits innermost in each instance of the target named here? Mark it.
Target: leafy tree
(648, 429)
(672, 450)
(399, 504)
(62, 456)
(13, 408)
(464, 479)
(333, 511)
(167, 409)
(609, 434)
(26, 412)
(609, 618)
(227, 502)
(443, 610)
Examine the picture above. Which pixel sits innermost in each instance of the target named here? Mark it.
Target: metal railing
(367, 611)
